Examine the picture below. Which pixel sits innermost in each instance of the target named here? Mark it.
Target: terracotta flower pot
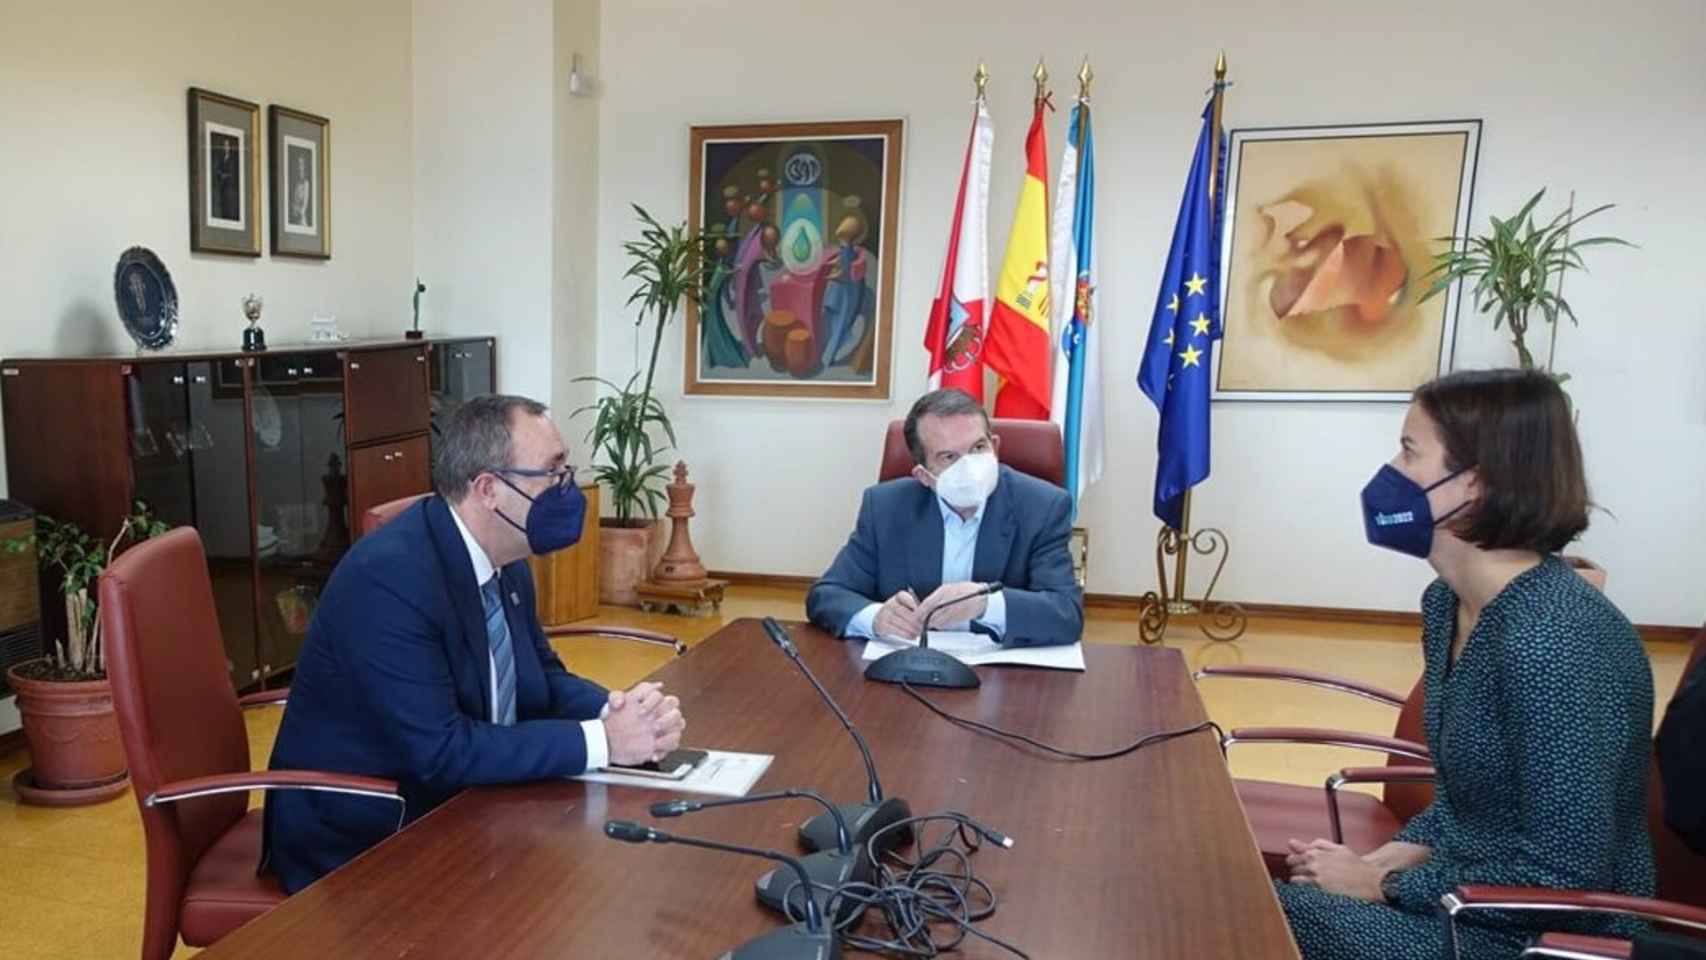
(626, 556)
(75, 753)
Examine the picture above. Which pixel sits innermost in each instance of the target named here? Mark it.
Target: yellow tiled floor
(71, 881)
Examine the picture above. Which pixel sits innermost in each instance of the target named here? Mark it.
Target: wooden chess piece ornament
(678, 583)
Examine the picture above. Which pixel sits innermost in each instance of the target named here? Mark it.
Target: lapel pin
(514, 598)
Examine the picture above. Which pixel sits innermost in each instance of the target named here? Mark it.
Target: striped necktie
(503, 653)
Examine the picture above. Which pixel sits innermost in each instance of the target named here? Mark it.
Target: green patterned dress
(1541, 732)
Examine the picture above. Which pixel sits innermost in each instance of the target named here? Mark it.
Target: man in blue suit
(932, 541)
(425, 662)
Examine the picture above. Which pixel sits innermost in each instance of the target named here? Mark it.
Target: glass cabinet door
(220, 495)
(301, 522)
(460, 369)
(189, 468)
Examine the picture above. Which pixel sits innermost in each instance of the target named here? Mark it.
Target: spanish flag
(1019, 323)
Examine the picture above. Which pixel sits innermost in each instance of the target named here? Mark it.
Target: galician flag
(1019, 323)
(955, 334)
(1077, 339)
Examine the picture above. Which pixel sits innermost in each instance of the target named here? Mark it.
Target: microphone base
(922, 667)
(863, 820)
(828, 869)
(789, 943)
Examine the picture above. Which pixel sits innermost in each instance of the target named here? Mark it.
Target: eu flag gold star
(1195, 284)
(1201, 324)
(1174, 306)
(1192, 357)
(1169, 340)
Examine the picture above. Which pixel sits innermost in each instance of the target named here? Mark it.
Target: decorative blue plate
(147, 301)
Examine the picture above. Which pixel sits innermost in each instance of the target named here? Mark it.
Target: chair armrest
(1324, 737)
(1476, 897)
(265, 698)
(1308, 677)
(1368, 775)
(621, 633)
(274, 780)
(1417, 774)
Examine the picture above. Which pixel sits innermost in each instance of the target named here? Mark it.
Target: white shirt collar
(950, 515)
(483, 569)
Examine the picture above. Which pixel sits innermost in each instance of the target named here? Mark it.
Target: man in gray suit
(930, 541)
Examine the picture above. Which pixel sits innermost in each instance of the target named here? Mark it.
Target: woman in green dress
(1538, 695)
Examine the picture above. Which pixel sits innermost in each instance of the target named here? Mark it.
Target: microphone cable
(939, 888)
(979, 726)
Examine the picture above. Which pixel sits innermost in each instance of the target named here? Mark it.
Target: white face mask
(970, 481)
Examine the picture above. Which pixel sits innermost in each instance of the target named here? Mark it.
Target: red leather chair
(1028, 446)
(1280, 811)
(1681, 901)
(384, 513)
(188, 749)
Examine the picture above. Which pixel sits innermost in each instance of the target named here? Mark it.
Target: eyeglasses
(560, 477)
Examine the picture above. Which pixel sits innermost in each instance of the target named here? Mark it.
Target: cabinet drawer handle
(354, 366)
(201, 378)
(255, 674)
(387, 458)
(420, 358)
(290, 370)
(178, 380)
(399, 454)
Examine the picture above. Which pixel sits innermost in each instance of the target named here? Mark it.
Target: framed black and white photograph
(299, 163)
(225, 174)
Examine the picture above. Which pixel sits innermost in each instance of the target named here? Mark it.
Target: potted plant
(64, 698)
(668, 267)
(1512, 268)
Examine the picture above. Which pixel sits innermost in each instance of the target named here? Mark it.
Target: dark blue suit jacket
(395, 681)
(897, 543)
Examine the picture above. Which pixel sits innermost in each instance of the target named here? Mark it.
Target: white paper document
(722, 774)
(979, 650)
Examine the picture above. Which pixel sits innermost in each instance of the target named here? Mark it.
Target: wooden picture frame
(803, 227)
(1329, 231)
(299, 166)
(224, 174)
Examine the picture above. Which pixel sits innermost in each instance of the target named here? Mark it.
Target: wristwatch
(1389, 886)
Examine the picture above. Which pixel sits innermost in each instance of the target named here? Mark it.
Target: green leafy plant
(1512, 267)
(668, 267)
(64, 551)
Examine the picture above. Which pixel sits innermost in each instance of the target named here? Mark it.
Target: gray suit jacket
(897, 543)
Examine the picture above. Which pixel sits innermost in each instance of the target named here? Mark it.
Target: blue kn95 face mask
(1396, 515)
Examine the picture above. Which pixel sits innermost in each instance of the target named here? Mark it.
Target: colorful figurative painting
(1330, 231)
(800, 220)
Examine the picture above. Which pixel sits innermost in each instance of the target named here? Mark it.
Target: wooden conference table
(1148, 855)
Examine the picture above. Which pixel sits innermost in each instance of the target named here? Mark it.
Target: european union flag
(1177, 360)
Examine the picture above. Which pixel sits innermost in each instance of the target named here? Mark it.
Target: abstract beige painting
(1330, 232)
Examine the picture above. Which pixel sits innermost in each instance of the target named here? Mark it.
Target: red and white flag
(957, 329)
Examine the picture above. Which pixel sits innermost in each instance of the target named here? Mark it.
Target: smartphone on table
(675, 765)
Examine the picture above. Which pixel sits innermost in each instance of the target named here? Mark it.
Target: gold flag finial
(1084, 77)
(981, 78)
(1220, 68)
(1040, 75)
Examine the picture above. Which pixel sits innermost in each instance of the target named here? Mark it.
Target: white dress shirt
(959, 548)
(597, 744)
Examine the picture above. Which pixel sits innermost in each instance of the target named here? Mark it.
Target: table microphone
(862, 819)
(810, 940)
(828, 869)
(924, 667)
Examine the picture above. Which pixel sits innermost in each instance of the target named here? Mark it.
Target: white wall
(575, 263)
(1602, 99)
(483, 185)
(94, 149)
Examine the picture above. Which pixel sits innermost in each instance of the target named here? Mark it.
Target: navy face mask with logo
(1396, 515)
(554, 522)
